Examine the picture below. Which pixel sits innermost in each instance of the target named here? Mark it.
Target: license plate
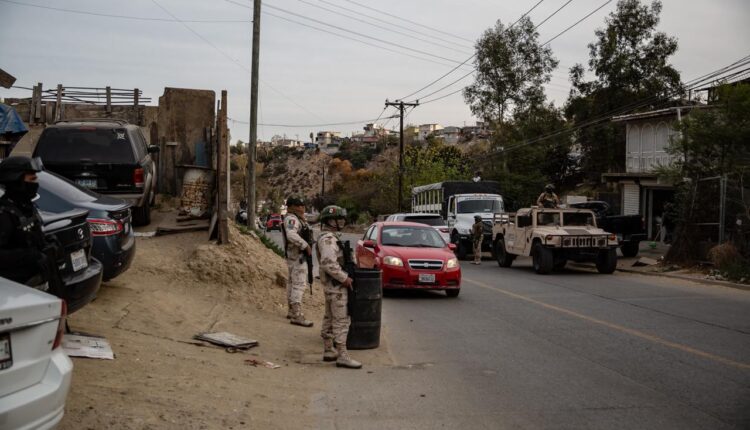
(427, 278)
(6, 356)
(78, 260)
(87, 183)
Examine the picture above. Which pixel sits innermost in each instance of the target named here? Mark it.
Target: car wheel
(542, 258)
(606, 261)
(504, 259)
(461, 249)
(452, 293)
(629, 249)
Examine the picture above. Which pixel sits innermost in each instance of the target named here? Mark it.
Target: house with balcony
(450, 135)
(426, 130)
(648, 135)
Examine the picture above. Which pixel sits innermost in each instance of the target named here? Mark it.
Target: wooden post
(58, 104)
(109, 100)
(36, 104)
(222, 170)
(135, 97)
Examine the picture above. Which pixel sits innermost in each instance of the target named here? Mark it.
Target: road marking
(630, 331)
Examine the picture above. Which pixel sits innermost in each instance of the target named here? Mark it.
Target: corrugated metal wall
(630, 199)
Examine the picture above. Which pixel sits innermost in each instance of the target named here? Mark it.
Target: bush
(728, 260)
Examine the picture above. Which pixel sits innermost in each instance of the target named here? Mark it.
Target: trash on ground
(231, 342)
(144, 233)
(77, 345)
(645, 261)
(267, 364)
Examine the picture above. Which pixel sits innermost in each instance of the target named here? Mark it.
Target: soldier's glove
(348, 283)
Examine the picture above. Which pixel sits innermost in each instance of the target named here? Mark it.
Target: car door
(367, 255)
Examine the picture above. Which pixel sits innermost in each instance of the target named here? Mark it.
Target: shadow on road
(414, 294)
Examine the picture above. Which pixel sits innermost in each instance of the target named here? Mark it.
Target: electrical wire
(134, 18)
(364, 121)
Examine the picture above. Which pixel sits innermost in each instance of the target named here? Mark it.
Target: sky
(310, 77)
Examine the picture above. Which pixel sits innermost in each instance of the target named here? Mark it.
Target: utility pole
(400, 104)
(251, 204)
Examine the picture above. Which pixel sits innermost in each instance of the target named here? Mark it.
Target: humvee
(552, 237)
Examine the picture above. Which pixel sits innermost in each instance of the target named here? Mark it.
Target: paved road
(573, 350)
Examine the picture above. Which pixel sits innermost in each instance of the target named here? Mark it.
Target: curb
(727, 284)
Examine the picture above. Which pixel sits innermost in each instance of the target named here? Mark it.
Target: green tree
(630, 60)
(511, 68)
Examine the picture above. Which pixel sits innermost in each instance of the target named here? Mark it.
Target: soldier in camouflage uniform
(295, 229)
(336, 285)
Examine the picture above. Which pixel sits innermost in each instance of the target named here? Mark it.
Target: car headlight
(452, 263)
(393, 261)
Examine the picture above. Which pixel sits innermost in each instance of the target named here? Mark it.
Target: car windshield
(418, 237)
(97, 145)
(578, 219)
(425, 219)
(57, 194)
(548, 219)
(477, 206)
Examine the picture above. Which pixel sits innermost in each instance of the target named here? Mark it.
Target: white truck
(458, 202)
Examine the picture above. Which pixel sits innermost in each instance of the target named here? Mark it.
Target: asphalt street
(572, 350)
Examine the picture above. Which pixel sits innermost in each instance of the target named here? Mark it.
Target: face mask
(22, 192)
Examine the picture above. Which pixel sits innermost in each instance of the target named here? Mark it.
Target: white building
(426, 130)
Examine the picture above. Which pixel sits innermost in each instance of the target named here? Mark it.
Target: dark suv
(106, 156)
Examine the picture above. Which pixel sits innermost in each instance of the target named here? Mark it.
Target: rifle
(349, 268)
(307, 235)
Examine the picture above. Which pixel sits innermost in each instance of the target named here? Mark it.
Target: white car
(433, 220)
(35, 372)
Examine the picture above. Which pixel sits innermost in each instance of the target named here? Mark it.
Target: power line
(577, 22)
(364, 121)
(380, 26)
(553, 14)
(128, 17)
(409, 21)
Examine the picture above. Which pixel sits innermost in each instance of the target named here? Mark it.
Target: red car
(274, 222)
(411, 256)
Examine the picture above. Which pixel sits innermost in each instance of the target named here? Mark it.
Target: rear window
(426, 220)
(97, 145)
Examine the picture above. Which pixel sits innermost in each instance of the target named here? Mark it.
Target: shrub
(728, 260)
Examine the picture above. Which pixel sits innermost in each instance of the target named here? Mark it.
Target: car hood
(569, 231)
(406, 253)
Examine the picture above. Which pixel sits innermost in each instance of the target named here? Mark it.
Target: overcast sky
(312, 77)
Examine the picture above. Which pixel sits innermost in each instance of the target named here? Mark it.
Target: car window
(140, 144)
(408, 236)
(425, 219)
(578, 219)
(374, 234)
(548, 219)
(72, 145)
(476, 206)
(368, 232)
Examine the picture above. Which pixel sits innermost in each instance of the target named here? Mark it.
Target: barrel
(365, 303)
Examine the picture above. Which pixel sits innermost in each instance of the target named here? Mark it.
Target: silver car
(433, 220)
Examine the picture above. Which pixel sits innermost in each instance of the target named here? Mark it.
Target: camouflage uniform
(295, 262)
(330, 259)
(477, 234)
(548, 200)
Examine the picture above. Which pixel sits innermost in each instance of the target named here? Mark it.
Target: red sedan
(410, 255)
(274, 222)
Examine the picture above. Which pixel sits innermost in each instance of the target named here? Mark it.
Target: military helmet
(295, 201)
(549, 188)
(477, 217)
(332, 212)
(13, 168)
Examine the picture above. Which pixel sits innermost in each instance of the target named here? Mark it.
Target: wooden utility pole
(251, 204)
(400, 105)
(222, 169)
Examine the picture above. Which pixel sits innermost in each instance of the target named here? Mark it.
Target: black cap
(13, 168)
(295, 201)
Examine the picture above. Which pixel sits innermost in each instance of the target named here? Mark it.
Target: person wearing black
(25, 255)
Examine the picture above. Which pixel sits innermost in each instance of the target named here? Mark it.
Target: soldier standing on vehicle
(297, 239)
(548, 199)
(336, 285)
(25, 255)
(477, 232)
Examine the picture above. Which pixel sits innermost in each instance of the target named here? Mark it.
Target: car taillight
(138, 178)
(60, 325)
(444, 230)
(104, 227)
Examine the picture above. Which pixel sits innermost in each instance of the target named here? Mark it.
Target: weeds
(267, 241)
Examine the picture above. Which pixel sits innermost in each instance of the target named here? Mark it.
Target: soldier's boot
(298, 318)
(289, 311)
(345, 360)
(329, 352)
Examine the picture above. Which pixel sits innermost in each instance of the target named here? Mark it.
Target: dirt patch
(180, 285)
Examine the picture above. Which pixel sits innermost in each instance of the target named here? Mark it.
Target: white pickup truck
(552, 237)
(458, 202)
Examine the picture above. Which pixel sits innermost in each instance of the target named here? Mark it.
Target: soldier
(548, 199)
(336, 285)
(477, 232)
(25, 256)
(297, 239)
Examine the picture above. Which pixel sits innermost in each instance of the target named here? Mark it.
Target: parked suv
(106, 156)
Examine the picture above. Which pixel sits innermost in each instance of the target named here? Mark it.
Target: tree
(511, 69)
(630, 61)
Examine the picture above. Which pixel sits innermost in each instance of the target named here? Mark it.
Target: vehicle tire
(462, 250)
(452, 293)
(606, 261)
(142, 215)
(629, 249)
(504, 259)
(560, 264)
(543, 260)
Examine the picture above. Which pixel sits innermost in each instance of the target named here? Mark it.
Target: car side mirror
(153, 149)
(368, 244)
(452, 246)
